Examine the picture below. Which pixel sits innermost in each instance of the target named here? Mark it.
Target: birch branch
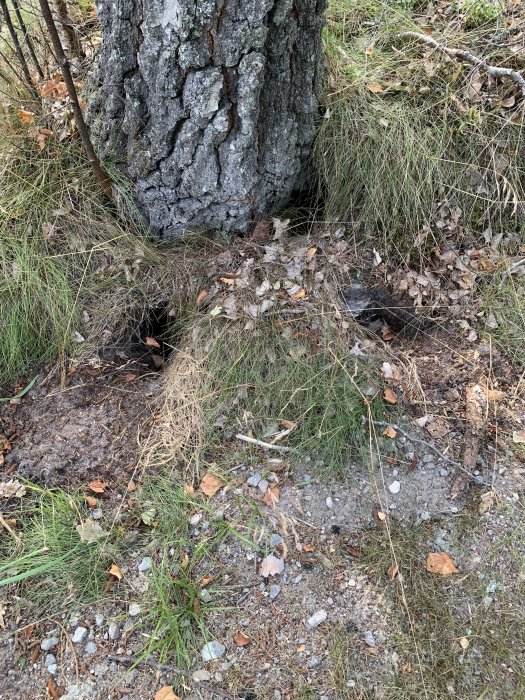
(468, 57)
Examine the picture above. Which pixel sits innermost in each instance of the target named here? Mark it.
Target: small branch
(437, 451)
(261, 443)
(169, 669)
(18, 48)
(5, 524)
(468, 57)
(28, 39)
(77, 111)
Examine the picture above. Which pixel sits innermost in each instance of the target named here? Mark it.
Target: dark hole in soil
(153, 339)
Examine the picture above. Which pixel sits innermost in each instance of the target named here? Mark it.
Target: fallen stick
(261, 443)
(5, 524)
(169, 669)
(464, 55)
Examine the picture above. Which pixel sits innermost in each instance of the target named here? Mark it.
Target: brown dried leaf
(271, 497)
(116, 572)
(375, 87)
(440, 563)
(353, 551)
(11, 488)
(98, 486)
(91, 501)
(300, 294)
(132, 486)
(210, 484)
(205, 581)
(287, 424)
(52, 690)
(25, 116)
(241, 639)
(201, 297)
(393, 571)
(390, 432)
(152, 343)
(166, 693)
(390, 396)
(437, 427)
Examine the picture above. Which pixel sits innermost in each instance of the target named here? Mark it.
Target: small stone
(316, 619)
(394, 487)
(50, 659)
(329, 502)
(213, 650)
(370, 639)
(114, 631)
(79, 635)
(430, 465)
(49, 643)
(427, 458)
(205, 596)
(298, 579)
(113, 667)
(134, 609)
(254, 479)
(263, 486)
(314, 662)
(351, 583)
(145, 564)
(52, 669)
(276, 540)
(201, 675)
(99, 620)
(96, 514)
(274, 591)
(195, 519)
(91, 648)
(443, 472)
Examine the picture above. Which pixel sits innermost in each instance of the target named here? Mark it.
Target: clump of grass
(504, 299)
(48, 561)
(283, 374)
(402, 134)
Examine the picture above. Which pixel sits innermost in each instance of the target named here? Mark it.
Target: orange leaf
(166, 693)
(271, 497)
(308, 547)
(132, 486)
(310, 253)
(440, 563)
(390, 432)
(201, 297)
(91, 501)
(98, 486)
(287, 424)
(152, 343)
(375, 87)
(205, 581)
(241, 639)
(116, 572)
(129, 377)
(390, 396)
(25, 116)
(393, 571)
(300, 294)
(210, 484)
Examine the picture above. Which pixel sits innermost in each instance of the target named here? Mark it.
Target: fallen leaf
(518, 436)
(152, 343)
(270, 566)
(389, 396)
(148, 516)
(390, 432)
(115, 571)
(25, 116)
(11, 488)
(241, 639)
(486, 501)
(51, 688)
(440, 563)
(201, 297)
(91, 501)
(287, 424)
(308, 547)
(2, 615)
(90, 531)
(353, 551)
(271, 497)
(210, 484)
(132, 486)
(301, 648)
(375, 87)
(128, 378)
(393, 571)
(166, 693)
(310, 253)
(437, 427)
(463, 643)
(98, 486)
(205, 581)
(188, 489)
(390, 372)
(300, 294)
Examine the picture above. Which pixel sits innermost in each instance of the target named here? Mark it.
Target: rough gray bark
(209, 106)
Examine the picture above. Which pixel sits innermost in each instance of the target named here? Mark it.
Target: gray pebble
(99, 620)
(96, 514)
(50, 659)
(276, 540)
(113, 667)
(427, 458)
(430, 465)
(316, 619)
(201, 675)
(314, 662)
(443, 472)
(52, 669)
(394, 487)
(263, 486)
(329, 502)
(91, 648)
(134, 609)
(145, 564)
(213, 650)
(370, 639)
(114, 631)
(274, 591)
(49, 643)
(79, 635)
(254, 480)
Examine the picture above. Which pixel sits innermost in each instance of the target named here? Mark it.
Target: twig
(464, 55)
(384, 424)
(18, 48)
(170, 669)
(79, 117)
(5, 524)
(28, 39)
(261, 443)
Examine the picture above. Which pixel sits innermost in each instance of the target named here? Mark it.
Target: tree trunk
(209, 106)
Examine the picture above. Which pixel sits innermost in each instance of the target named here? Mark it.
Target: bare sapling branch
(18, 48)
(75, 104)
(28, 40)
